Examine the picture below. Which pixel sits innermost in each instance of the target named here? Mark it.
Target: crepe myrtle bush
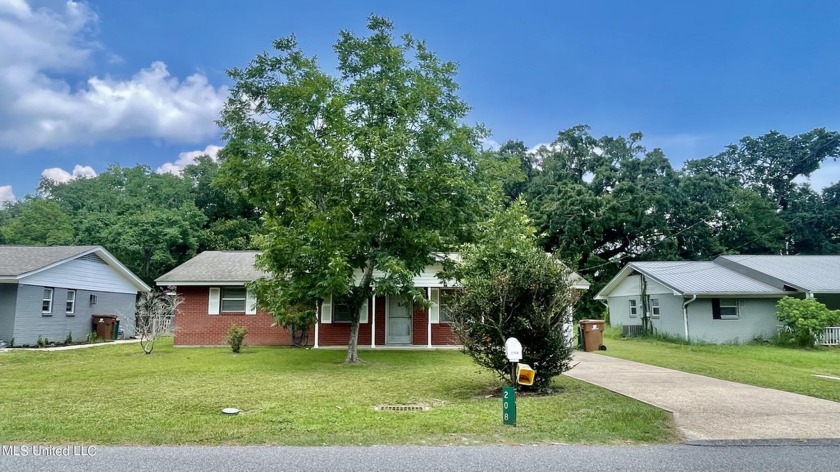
(805, 319)
(511, 288)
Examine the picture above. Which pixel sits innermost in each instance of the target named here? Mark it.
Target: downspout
(685, 314)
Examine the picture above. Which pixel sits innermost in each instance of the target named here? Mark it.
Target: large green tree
(361, 175)
(38, 222)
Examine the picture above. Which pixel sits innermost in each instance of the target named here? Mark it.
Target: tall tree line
(598, 202)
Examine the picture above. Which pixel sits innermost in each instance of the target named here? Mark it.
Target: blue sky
(88, 84)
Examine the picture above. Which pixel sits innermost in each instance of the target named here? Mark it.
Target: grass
(763, 365)
(118, 395)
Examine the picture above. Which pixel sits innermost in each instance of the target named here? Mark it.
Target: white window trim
(70, 302)
(655, 310)
(634, 310)
(214, 301)
(44, 299)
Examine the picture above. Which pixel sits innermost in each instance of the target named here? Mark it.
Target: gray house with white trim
(52, 291)
(730, 299)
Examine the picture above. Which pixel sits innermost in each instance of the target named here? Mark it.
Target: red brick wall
(338, 334)
(420, 326)
(442, 335)
(194, 327)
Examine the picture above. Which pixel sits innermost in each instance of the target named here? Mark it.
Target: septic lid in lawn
(231, 411)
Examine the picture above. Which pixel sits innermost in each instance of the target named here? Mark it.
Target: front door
(399, 321)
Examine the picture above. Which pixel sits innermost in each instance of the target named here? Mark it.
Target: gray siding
(8, 299)
(31, 323)
(670, 320)
(620, 311)
(757, 319)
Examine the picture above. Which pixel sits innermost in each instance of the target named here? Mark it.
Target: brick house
(213, 287)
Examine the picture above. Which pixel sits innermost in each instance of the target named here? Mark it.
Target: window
(71, 302)
(341, 311)
(233, 299)
(725, 309)
(654, 308)
(633, 312)
(46, 302)
(446, 299)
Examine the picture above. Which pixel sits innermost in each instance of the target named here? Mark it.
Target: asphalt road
(763, 456)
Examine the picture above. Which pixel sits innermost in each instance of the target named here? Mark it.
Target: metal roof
(694, 278)
(234, 267)
(819, 274)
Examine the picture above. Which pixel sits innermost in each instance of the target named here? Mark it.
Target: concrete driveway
(710, 409)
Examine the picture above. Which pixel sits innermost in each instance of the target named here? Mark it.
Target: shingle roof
(811, 273)
(19, 260)
(215, 266)
(704, 278)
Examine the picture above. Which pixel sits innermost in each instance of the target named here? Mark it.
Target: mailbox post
(513, 351)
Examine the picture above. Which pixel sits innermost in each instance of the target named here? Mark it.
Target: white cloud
(490, 144)
(57, 174)
(40, 109)
(187, 158)
(6, 194)
(827, 175)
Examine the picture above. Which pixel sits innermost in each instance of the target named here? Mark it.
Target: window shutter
(213, 303)
(716, 308)
(363, 312)
(434, 310)
(326, 310)
(250, 302)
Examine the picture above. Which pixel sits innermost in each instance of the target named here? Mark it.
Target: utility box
(593, 335)
(105, 326)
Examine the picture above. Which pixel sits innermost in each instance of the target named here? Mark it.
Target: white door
(399, 321)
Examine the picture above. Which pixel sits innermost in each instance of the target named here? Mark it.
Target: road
(708, 456)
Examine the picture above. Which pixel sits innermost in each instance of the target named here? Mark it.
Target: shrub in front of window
(806, 318)
(236, 337)
(511, 288)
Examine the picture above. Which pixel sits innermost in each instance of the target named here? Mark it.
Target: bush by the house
(806, 319)
(511, 288)
(236, 337)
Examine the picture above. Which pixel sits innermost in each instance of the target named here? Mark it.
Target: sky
(88, 84)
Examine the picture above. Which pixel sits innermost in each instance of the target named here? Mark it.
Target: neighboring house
(730, 299)
(213, 287)
(52, 291)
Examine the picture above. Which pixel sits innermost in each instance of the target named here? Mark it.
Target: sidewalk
(74, 346)
(710, 409)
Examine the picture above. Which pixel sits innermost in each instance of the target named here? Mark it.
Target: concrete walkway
(710, 409)
(72, 346)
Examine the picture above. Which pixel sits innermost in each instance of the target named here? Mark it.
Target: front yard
(117, 395)
(763, 365)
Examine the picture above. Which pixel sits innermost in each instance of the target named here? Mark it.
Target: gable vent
(92, 258)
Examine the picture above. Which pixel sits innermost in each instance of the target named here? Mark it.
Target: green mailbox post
(513, 350)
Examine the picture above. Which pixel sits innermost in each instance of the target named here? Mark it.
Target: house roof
(237, 268)
(820, 274)
(17, 262)
(215, 267)
(704, 278)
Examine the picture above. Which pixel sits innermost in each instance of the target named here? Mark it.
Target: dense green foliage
(805, 318)
(366, 171)
(511, 288)
(236, 337)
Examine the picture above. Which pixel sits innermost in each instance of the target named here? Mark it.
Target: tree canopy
(360, 175)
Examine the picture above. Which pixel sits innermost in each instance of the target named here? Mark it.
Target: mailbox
(525, 374)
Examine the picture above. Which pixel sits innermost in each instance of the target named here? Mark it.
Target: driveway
(710, 409)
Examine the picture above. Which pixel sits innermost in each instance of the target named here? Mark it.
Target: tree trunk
(357, 302)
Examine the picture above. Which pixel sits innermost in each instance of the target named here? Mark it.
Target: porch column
(317, 322)
(373, 323)
(429, 315)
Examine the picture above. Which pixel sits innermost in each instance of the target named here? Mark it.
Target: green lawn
(117, 395)
(755, 364)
